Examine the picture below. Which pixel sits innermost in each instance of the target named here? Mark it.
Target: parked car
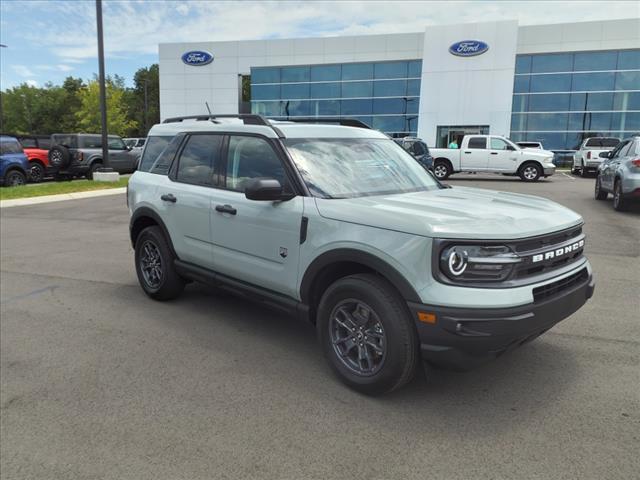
(135, 143)
(36, 148)
(494, 154)
(534, 145)
(587, 158)
(77, 154)
(619, 174)
(418, 149)
(338, 226)
(14, 166)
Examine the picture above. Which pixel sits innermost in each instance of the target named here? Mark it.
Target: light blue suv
(619, 174)
(340, 226)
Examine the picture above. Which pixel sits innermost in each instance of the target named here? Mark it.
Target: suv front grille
(557, 287)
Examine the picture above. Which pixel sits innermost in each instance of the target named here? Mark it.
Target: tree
(146, 83)
(118, 118)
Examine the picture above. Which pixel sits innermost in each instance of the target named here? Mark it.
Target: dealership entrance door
(449, 133)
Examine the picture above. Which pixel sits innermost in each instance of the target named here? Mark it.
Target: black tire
(583, 171)
(620, 203)
(166, 284)
(59, 156)
(442, 169)
(530, 172)
(37, 172)
(14, 178)
(387, 322)
(92, 169)
(599, 193)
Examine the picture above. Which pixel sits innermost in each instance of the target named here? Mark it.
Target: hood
(458, 212)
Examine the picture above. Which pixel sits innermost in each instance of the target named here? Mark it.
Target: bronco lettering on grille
(558, 252)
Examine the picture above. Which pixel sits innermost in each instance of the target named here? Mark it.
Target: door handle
(226, 209)
(494, 153)
(467, 152)
(168, 197)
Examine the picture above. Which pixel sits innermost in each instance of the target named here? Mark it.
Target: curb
(19, 202)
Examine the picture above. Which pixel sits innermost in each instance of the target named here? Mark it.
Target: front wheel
(442, 170)
(599, 193)
(530, 172)
(37, 172)
(154, 265)
(367, 335)
(15, 178)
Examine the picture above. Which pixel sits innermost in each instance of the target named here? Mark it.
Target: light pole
(1, 111)
(103, 94)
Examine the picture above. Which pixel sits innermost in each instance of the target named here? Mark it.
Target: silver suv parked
(619, 174)
(341, 227)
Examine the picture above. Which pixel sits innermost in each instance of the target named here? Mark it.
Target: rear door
(474, 156)
(184, 201)
(502, 157)
(255, 241)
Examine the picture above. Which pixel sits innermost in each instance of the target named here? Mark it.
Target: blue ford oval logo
(197, 58)
(468, 48)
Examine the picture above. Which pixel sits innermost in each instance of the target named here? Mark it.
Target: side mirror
(128, 147)
(511, 147)
(266, 189)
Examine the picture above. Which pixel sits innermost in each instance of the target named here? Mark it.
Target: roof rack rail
(247, 118)
(345, 122)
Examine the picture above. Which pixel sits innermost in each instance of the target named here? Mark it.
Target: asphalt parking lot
(98, 381)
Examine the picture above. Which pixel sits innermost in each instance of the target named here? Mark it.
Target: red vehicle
(36, 148)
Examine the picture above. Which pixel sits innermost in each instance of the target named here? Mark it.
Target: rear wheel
(93, 169)
(599, 193)
(15, 178)
(154, 265)
(441, 170)
(37, 172)
(530, 172)
(367, 335)
(619, 202)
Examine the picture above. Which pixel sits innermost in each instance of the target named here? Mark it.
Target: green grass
(54, 188)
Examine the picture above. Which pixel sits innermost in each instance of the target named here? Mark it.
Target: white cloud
(23, 70)
(133, 28)
(64, 68)
(31, 83)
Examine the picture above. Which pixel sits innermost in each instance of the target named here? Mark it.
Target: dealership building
(551, 83)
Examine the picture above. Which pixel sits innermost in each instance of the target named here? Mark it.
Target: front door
(502, 156)
(474, 156)
(255, 241)
(118, 154)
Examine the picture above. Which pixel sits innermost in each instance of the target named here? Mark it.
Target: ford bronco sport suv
(340, 226)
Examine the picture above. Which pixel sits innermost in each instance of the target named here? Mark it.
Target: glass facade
(562, 98)
(384, 95)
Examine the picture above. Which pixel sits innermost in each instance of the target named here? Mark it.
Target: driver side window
(116, 144)
(249, 158)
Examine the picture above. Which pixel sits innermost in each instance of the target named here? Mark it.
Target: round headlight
(457, 261)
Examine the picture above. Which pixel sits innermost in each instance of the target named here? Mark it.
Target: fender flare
(149, 213)
(355, 256)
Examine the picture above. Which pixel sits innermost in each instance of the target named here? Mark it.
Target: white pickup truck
(587, 158)
(494, 154)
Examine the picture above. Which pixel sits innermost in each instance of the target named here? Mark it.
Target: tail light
(636, 162)
(589, 155)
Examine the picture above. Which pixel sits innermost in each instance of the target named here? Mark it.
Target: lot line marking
(568, 176)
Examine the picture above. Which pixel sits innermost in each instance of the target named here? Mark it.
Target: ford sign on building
(555, 83)
(197, 58)
(468, 48)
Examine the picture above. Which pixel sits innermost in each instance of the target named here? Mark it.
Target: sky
(50, 40)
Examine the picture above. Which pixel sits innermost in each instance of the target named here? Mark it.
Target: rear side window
(10, 146)
(419, 148)
(163, 161)
(44, 143)
(154, 147)
(198, 158)
(70, 141)
(90, 141)
(477, 143)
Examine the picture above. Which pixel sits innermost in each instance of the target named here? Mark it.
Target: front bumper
(462, 338)
(549, 170)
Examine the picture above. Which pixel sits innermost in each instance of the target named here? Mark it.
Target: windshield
(602, 142)
(354, 167)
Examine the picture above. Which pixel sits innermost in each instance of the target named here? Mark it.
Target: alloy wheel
(151, 264)
(440, 171)
(530, 173)
(15, 180)
(36, 173)
(358, 337)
